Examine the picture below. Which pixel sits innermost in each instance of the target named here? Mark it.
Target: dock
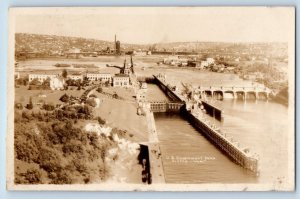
(213, 109)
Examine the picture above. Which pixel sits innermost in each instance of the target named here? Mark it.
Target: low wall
(213, 110)
(232, 151)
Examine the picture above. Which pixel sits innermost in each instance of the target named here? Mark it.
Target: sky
(157, 25)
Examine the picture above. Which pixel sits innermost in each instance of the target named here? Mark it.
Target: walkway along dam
(228, 146)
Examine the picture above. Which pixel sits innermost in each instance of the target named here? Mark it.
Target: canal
(188, 157)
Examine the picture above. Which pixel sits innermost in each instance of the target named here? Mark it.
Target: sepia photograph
(151, 99)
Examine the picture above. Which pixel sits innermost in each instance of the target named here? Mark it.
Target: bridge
(222, 92)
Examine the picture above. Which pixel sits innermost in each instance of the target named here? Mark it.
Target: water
(188, 157)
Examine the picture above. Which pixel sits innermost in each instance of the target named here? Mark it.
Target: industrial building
(99, 77)
(121, 80)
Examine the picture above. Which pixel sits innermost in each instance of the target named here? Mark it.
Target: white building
(99, 76)
(144, 85)
(210, 60)
(74, 50)
(41, 77)
(121, 80)
(141, 96)
(57, 83)
(75, 77)
(207, 62)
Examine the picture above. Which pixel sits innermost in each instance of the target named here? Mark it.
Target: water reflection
(260, 125)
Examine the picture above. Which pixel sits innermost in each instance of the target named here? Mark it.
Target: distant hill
(53, 43)
(48, 43)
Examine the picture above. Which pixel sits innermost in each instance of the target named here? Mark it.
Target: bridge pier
(243, 93)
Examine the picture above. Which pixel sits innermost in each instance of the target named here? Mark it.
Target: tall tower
(117, 46)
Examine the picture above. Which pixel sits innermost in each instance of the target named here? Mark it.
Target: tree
(91, 102)
(35, 81)
(30, 104)
(99, 89)
(64, 98)
(64, 73)
(101, 121)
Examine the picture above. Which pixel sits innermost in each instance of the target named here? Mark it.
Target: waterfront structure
(241, 156)
(121, 80)
(99, 77)
(234, 91)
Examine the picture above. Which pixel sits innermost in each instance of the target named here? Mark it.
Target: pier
(213, 110)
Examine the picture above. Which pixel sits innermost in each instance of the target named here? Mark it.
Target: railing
(234, 88)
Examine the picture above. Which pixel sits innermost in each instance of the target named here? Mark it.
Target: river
(188, 157)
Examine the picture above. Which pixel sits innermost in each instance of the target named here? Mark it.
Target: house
(121, 80)
(57, 83)
(99, 76)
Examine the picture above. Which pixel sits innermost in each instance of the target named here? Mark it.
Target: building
(139, 53)
(195, 64)
(121, 80)
(74, 51)
(141, 96)
(175, 61)
(57, 83)
(41, 77)
(144, 85)
(99, 77)
(210, 60)
(75, 77)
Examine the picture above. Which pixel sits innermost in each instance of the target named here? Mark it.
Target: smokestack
(116, 42)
